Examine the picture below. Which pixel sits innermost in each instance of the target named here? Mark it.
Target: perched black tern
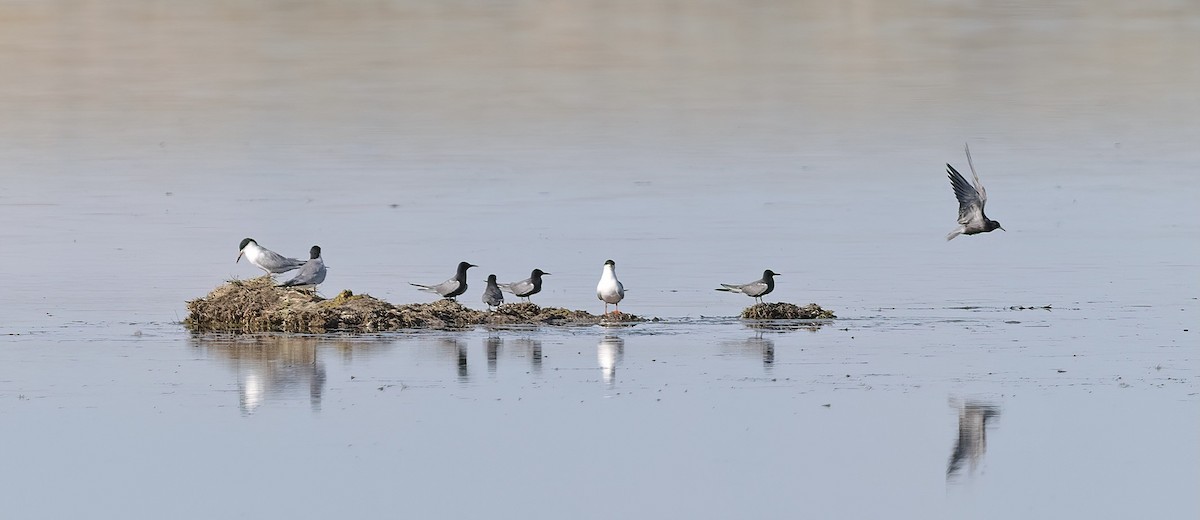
(452, 287)
(970, 202)
(492, 296)
(311, 274)
(756, 289)
(265, 259)
(610, 290)
(527, 287)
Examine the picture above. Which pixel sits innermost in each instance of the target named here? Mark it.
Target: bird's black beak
(239, 258)
(1002, 229)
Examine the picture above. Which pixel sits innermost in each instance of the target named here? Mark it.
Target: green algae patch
(786, 311)
(257, 305)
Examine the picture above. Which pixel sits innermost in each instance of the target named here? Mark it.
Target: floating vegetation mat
(786, 311)
(257, 305)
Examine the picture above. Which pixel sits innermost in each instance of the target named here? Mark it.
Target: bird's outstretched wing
(978, 185)
(970, 200)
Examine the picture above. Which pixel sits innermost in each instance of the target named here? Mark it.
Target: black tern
(452, 287)
(970, 202)
(492, 296)
(756, 289)
(610, 290)
(265, 259)
(527, 287)
(311, 274)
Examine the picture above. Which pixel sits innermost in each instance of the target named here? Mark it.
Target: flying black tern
(492, 296)
(970, 202)
(756, 289)
(265, 259)
(527, 287)
(311, 274)
(452, 287)
(610, 290)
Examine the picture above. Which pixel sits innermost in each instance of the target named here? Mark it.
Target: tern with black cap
(311, 274)
(492, 297)
(527, 287)
(453, 287)
(971, 199)
(610, 290)
(265, 259)
(756, 289)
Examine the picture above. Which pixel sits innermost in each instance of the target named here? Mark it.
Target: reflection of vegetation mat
(786, 311)
(256, 305)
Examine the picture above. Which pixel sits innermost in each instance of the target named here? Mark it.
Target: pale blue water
(694, 144)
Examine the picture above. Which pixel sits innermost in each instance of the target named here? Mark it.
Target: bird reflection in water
(492, 345)
(756, 345)
(768, 351)
(271, 368)
(766, 346)
(459, 350)
(609, 353)
(973, 417)
(533, 349)
(787, 325)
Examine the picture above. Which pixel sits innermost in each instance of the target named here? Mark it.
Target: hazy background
(710, 141)
(692, 142)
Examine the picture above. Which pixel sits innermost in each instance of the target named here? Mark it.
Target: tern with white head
(610, 290)
(265, 259)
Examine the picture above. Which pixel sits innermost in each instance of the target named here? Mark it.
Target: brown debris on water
(257, 305)
(529, 313)
(621, 318)
(786, 311)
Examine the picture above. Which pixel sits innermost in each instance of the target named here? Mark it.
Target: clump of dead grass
(786, 311)
(257, 305)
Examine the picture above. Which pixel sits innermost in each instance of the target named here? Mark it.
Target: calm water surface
(693, 143)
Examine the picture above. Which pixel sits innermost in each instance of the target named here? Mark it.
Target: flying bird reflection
(973, 417)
